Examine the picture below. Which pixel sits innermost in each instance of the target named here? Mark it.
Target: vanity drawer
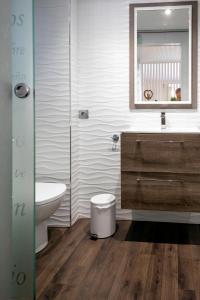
(179, 153)
(159, 191)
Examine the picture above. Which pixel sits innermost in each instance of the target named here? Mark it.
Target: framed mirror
(163, 55)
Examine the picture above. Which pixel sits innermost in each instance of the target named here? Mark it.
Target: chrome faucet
(163, 120)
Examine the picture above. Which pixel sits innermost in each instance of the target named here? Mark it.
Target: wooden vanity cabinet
(160, 171)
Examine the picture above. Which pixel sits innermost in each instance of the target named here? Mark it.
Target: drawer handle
(158, 180)
(169, 142)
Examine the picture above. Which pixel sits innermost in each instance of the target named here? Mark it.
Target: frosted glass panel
(23, 152)
(5, 151)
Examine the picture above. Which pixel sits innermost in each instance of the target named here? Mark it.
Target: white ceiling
(158, 20)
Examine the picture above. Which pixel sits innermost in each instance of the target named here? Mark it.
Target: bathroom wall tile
(99, 82)
(53, 99)
(103, 88)
(74, 116)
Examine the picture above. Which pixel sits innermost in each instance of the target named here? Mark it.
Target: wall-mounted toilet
(48, 197)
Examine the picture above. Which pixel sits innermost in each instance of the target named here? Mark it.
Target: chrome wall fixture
(115, 139)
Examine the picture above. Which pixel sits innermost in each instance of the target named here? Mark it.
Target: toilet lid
(46, 192)
(103, 199)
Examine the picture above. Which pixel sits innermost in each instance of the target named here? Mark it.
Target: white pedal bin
(103, 215)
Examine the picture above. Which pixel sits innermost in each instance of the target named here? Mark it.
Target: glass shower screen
(23, 185)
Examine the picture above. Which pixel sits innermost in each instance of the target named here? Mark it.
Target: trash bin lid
(103, 199)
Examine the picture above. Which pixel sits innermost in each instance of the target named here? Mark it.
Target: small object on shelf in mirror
(148, 94)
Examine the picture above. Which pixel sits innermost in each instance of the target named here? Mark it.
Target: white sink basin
(159, 130)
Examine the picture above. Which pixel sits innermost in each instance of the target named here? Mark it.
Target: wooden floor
(75, 267)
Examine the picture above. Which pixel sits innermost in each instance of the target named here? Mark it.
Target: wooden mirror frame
(194, 52)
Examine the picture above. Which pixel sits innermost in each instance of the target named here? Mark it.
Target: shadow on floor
(157, 232)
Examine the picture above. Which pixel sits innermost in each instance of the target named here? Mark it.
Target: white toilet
(48, 197)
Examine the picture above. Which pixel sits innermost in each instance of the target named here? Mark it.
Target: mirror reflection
(163, 54)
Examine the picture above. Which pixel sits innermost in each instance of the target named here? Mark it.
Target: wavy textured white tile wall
(53, 98)
(103, 88)
(74, 117)
(99, 82)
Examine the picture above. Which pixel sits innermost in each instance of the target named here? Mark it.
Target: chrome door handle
(22, 90)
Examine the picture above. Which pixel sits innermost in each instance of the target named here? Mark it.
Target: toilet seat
(48, 192)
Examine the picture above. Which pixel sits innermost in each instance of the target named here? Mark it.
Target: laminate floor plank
(102, 272)
(130, 280)
(73, 267)
(55, 238)
(186, 269)
(169, 288)
(154, 276)
(120, 281)
(196, 268)
(54, 260)
(136, 272)
(52, 292)
(122, 229)
(187, 295)
(72, 275)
